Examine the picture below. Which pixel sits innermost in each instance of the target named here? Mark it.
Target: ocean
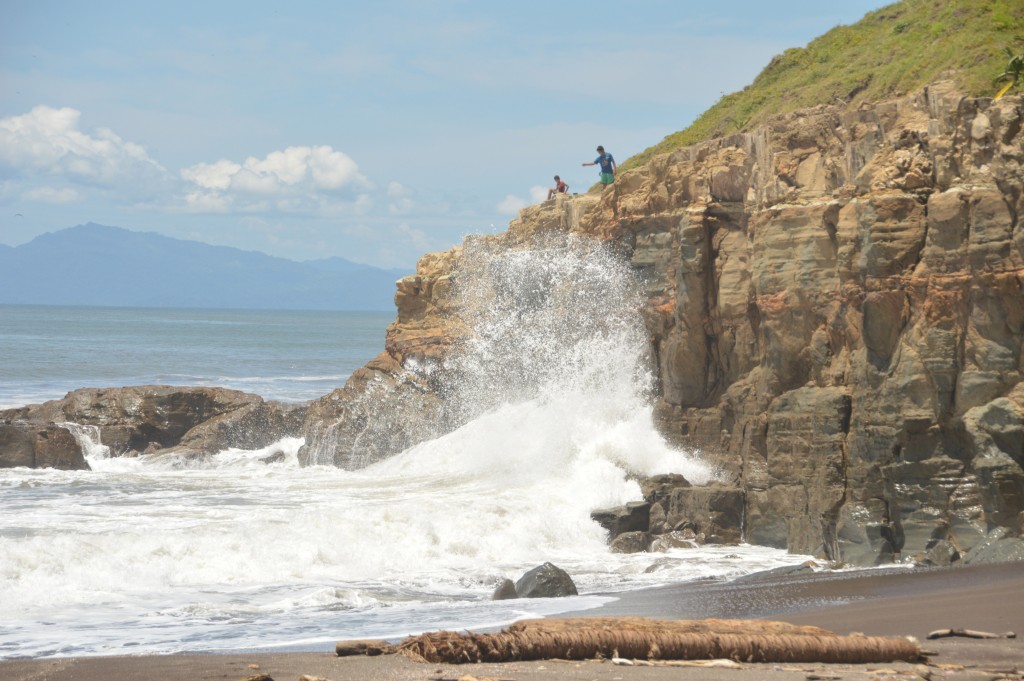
(237, 554)
(282, 355)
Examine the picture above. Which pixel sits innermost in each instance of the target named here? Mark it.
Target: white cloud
(200, 202)
(397, 190)
(511, 205)
(212, 175)
(305, 180)
(401, 206)
(48, 143)
(416, 238)
(401, 199)
(333, 170)
(286, 167)
(51, 195)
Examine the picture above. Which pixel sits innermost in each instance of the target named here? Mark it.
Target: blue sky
(375, 131)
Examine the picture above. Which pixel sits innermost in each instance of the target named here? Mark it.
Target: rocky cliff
(835, 307)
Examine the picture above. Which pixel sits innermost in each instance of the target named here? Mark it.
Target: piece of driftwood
(969, 633)
(645, 639)
(369, 647)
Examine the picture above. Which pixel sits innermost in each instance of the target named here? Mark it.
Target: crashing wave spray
(560, 318)
(555, 367)
(553, 326)
(88, 439)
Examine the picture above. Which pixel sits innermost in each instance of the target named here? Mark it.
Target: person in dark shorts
(607, 164)
(559, 188)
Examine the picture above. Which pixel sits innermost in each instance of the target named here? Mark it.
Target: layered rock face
(836, 307)
(835, 304)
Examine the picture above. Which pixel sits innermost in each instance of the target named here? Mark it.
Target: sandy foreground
(889, 602)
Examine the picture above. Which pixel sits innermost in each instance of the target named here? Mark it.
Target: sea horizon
(285, 355)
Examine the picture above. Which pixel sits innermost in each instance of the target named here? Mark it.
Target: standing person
(607, 164)
(559, 188)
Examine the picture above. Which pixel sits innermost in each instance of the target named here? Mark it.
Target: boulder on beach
(546, 581)
(505, 591)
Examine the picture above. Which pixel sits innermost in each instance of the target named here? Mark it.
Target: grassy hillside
(891, 51)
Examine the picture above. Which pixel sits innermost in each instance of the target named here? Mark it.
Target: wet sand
(880, 602)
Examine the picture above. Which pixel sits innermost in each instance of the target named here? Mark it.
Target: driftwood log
(641, 638)
(969, 633)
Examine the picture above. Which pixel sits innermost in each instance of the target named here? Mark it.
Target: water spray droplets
(555, 319)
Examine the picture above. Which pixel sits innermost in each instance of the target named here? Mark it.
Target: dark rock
(1000, 547)
(132, 418)
(382, 410)
(369, 647)
(274, 457)
(633, 517)
(676, 539)
(920, 491)
(658, 519)
(806, 568)
(715, 510)
(546, 581)
(995, 437)
(864, 535)
(660, 564)
(631, 542)
(658, 487)
(151, 419)
(939, 553)
(252, 426)
(657, 491)
(505, 591)
(57, 448)
(17, 446)
(39, 446)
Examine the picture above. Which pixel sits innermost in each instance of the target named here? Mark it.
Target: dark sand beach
(875, 602)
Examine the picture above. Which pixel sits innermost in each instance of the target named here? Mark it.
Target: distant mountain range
(108, 266)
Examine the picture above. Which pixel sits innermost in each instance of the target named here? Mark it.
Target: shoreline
(885, 602)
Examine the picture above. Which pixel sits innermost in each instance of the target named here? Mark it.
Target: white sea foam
(88, 439)
(246, 549)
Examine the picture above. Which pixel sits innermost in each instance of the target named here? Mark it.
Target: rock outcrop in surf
(155, 420)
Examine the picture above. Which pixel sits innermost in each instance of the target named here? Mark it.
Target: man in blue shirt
(607, 164)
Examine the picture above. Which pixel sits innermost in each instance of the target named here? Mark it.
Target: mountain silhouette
(109, 266)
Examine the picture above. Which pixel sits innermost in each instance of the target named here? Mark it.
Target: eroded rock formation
(162, 420)
(39, 445)
(835, 305)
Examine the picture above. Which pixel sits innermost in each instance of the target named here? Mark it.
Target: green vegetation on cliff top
(890, 52)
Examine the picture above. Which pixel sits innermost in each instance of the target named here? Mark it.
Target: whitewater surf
(247, 549)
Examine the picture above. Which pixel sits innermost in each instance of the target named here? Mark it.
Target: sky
(373, 131)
